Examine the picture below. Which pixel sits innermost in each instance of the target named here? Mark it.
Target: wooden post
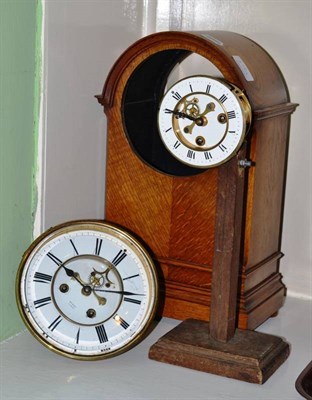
(229, 216)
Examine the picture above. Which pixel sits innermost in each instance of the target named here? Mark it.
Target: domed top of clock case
(241, 61)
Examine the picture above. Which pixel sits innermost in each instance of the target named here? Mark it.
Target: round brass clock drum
(202, 121)
(197, 168)
(87, 290)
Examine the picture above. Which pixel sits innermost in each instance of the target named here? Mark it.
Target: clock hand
(119, 292)
(69, 272)
(201, 120)
(75, 275)
(181, 114)
(86, 289)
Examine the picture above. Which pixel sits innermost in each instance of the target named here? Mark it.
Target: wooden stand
(249, 356)
(218, 347)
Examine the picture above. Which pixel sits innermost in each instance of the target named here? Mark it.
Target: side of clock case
(174, 207)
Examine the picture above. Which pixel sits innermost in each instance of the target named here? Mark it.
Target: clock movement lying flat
(87, 290)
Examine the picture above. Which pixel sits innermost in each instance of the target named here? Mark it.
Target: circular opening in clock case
(142, 97)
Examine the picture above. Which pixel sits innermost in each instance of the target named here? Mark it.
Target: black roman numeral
(207, 155)
(77, 336)
(208, 88)
(169, 129)
(130, 277)
(130, 300)
(101, 332)
(191, 88)
(54, 259)
(167, 111)
(222, 147)
(176, 145)
(98, 246)
(42, 278)
(121, 322)
(119, 257)
(223, 98)
(72, 243)
(231, 114)
(176, 95)
(191, 154)
(55, 323)
(42, 302)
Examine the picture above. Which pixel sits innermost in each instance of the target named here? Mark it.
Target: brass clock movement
(197, 170)
(87, 290)
(202, 121)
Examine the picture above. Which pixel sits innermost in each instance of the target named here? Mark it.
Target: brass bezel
(246, 113)
(108, 228)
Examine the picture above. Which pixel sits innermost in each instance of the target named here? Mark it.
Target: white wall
(82, 40)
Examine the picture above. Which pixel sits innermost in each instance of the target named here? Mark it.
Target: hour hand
(75, 275)
(69, 272)
(181, 114)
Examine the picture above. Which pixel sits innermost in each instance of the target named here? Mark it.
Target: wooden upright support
(219, 347)
(229, 219)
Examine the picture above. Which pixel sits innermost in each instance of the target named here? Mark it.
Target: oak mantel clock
(199, 157)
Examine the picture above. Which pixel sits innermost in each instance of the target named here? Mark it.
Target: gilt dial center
(84, 277)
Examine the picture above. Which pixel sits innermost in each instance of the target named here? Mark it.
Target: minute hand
(119, 292)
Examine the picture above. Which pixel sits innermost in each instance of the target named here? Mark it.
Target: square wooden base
(249, 356)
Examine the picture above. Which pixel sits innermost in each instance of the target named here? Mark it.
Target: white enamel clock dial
(203, 121)
(87, 290)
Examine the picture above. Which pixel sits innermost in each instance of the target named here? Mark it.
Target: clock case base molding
(175, 213)
(255, 305)
(249, 356)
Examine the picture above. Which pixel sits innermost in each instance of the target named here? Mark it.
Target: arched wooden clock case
(181, 212)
